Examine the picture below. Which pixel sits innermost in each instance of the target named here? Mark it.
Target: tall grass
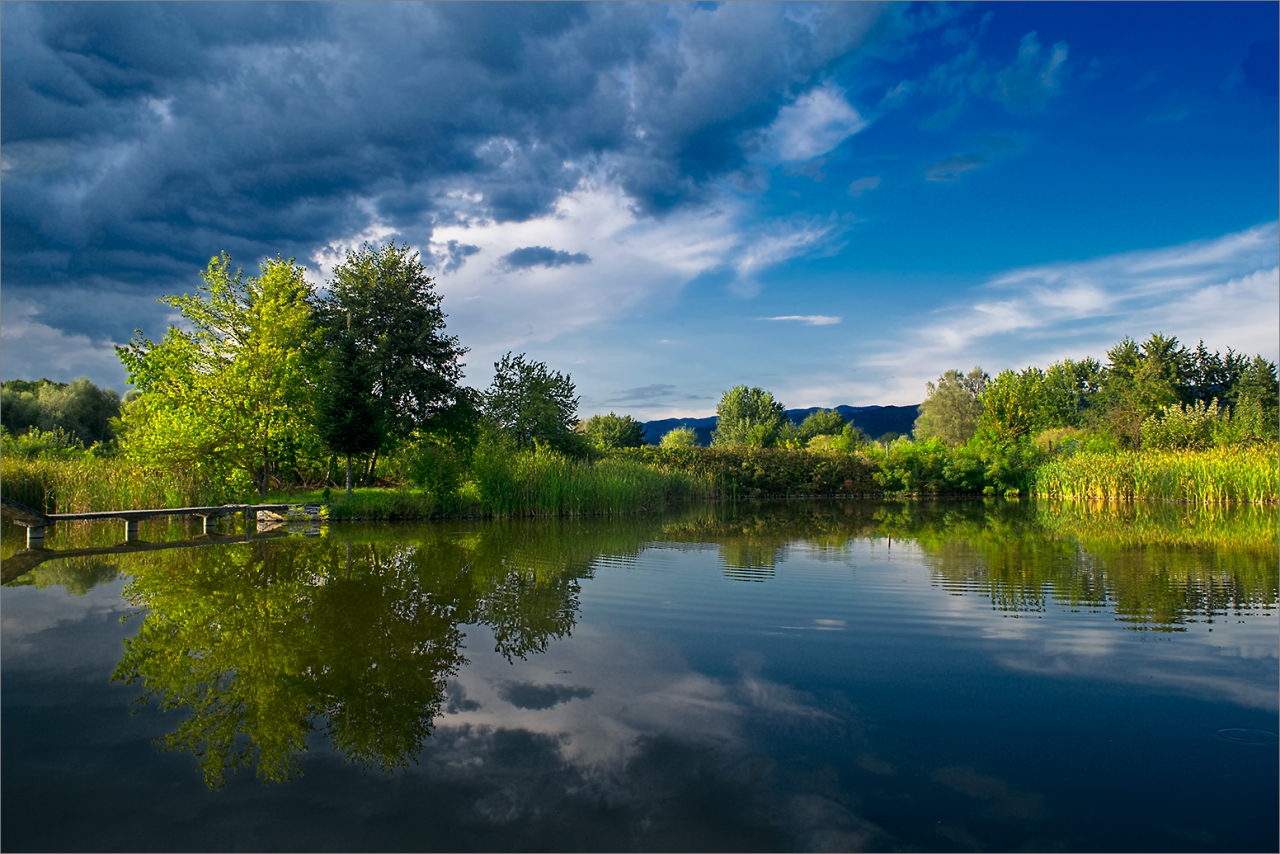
(1212, 476)
(545, 483)
(87, 483)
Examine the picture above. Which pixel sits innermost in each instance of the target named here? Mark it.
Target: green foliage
(517, 482)
(83, 483)
(1247, 423)
(849, 440)
(347, 417)
(78, 409)
(533, 404)
(55, 444)
(752, 472)
(1013, 406)
(610, 432)
(914, 466)
(230, 399)
(952, 408)
(1141, 381)
(383, 298)
(1069, 392)
(1202, 477)
(748, 417)
(436, 465)
(1180, 427)
(824, 422)
(679, 437)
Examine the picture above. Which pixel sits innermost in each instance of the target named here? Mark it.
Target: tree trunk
(373, 465)
(348, 474)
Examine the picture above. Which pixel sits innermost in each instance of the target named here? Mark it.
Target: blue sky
(834, 201)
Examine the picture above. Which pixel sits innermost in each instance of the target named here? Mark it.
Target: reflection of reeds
(1214, 476)
(1107, 526)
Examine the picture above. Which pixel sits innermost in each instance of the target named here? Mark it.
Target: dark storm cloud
(527, 695)
(541, 256)
(456, 254)
(140, 139)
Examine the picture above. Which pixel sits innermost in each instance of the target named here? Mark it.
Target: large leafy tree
(231, 399)
(748, 416)
(952, 408)
(347, 415)
(532, 403)
(384, 300)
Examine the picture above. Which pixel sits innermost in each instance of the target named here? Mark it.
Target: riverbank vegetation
(274, 389)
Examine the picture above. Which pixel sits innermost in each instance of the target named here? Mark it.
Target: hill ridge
(873, 420)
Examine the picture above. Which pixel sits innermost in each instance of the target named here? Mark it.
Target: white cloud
(811, 319)
(816, 123)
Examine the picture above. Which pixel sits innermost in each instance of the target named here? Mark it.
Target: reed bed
(1215, 476)
(542, 483)
(88, 483)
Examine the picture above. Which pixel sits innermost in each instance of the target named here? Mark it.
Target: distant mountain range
(875, 421)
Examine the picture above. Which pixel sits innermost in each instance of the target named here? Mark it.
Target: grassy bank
(1212, 476)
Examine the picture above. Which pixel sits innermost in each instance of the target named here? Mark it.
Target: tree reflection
(265, 643)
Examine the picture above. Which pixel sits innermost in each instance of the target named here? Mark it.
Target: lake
(805, 675)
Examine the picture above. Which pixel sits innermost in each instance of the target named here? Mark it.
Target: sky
(835, 202)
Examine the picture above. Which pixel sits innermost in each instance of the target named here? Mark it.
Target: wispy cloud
(1226, 291)
(816, 123)
(811, 319)
(862, 185)
(1028, 83)
(952, 168)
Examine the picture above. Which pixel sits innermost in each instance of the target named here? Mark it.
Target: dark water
(808, 675)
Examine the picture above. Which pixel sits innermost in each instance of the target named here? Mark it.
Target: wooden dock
(35, 522)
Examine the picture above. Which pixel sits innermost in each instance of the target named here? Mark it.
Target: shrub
(680, 437)
(1181, 427)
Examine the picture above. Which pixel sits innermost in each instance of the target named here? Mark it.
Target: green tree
(1070, 392)
(824, 422)
(78, 408)
(609, 432)
(952, 408)
(384, 299)
(532, 403)
(679, 437)
(229, 401)
(1013, 406)
(748, 416)
(1140, 381)
(347, 416)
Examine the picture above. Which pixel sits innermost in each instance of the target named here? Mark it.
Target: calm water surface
(806, 675)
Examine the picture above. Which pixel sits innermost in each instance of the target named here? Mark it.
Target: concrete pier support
(210, 524)
(131, 530)
(35, 537)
